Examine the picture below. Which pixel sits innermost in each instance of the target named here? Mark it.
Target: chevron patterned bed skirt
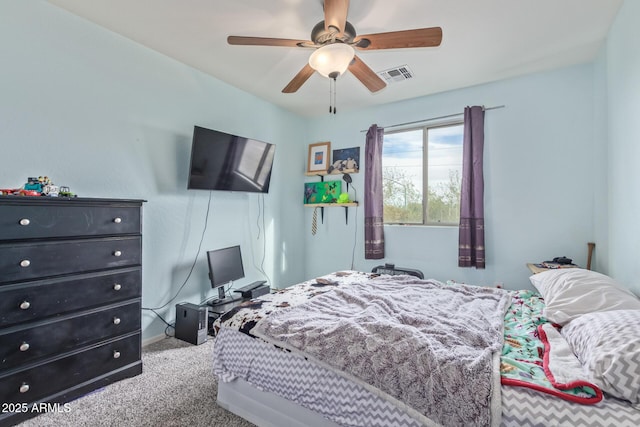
(332, 397)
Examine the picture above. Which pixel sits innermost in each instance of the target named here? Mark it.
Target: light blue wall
(601, 182)
(110, 118)
(623, 88)
(540, 158)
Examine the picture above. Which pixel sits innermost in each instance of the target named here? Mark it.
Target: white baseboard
(151, 340)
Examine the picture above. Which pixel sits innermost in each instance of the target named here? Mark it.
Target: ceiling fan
(335, 40)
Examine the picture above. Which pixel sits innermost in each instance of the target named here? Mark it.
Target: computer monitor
(225, 266)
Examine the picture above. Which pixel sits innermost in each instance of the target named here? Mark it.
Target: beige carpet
(177, 388)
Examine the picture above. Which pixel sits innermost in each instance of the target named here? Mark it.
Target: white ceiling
(483, 41)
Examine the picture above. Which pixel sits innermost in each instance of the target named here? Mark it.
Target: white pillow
(571, 292)
(607, 343)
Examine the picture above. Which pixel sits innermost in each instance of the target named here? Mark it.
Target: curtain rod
(434, 118)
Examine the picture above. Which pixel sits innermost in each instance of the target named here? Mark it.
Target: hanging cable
(355, 226)
(262, 231)
(195, 259)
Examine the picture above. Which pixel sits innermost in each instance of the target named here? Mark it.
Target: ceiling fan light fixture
(331, 59)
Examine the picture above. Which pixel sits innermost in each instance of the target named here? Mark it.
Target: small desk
(536, 269)
(220, 309)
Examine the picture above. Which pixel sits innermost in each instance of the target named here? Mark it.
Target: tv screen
(225, 265)
(221, 161)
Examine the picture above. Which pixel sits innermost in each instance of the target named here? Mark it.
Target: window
(419, 161)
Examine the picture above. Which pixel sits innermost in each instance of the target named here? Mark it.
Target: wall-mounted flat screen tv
(221, 161)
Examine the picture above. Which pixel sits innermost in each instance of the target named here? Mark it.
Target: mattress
(239, 356)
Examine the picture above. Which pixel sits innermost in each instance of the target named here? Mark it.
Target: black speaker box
(260, 290)
(191, 323)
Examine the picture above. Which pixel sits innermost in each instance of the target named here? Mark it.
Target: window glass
(418, 162)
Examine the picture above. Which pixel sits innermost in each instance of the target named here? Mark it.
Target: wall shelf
(331, 205)
(337, 172)
(346, 207)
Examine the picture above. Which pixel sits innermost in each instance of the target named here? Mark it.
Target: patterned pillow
(607, 344)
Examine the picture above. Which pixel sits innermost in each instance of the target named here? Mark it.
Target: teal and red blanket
(536, 356)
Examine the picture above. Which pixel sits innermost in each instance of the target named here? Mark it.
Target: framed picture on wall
(319, 154)
(345, 160)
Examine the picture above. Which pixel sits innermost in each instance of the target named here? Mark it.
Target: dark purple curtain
(471, 238)
(373, 221)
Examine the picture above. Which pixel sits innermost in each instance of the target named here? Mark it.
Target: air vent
(397, 74)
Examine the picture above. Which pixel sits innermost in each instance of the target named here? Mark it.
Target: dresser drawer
(36, 382)
(64, 219)
(24, 261)
(43, 339)
(39, 299)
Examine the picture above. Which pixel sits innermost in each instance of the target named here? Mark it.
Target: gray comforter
(432, 349)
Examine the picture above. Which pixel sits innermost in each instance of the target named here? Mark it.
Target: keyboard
(251, 286)
(219, 302)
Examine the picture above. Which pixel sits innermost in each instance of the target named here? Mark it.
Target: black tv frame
(217, 158)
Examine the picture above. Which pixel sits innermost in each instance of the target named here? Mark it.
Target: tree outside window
(419, 161)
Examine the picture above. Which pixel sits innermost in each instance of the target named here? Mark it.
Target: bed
(520, 357)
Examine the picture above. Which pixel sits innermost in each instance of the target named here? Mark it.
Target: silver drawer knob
(117, 220)
(116, 354)
(25, 305)
(117, 253)
(117, 286)
(25, 263)
(24, 388)
(25, 221)
(116, 320)
(24, 346)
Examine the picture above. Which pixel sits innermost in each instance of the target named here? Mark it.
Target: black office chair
(394, 271)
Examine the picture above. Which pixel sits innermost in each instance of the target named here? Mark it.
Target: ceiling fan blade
(366, 75)
(299, 79)
(335, 14)
(423, 37)
(265, 41)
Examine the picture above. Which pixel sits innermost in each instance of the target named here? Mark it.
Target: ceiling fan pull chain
(334, 95)
(330, 100)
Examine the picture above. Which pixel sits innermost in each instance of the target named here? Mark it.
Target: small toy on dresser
(40, 186)
(65, 192)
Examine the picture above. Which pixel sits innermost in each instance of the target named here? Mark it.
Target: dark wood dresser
(70, 299)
